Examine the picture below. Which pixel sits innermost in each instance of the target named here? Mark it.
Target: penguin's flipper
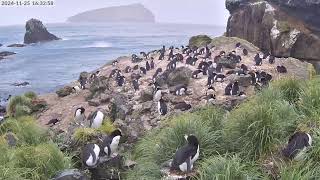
(188, 164)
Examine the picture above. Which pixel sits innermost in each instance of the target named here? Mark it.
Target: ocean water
(84, 47)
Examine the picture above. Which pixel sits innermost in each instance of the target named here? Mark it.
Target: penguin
(148, 66)
(79, 115)
(111, 142)
(96, 119)
(182, 106)
(83, 82)
(159, 70)
(90, 155)
(113, 73)
(235, 88)
(128, 69)
(272, 59)
(244, 67)
(196, 73)
(210, 90)
(210, 98)
(181, 90)
(238, 45)
(162, 107)
(135, 84)
(136, 67)
(297, 145)
(189, 60)
(121, 80)
(219, 68)
(170, 54)
(281, 69)
(114, 63)
(210, 80)
(76, 89)
(157, 95)
(53, 122)
(219, 77)
(258, 60)
(185, 156)
(245, 52)
(145, 55)
(152, 64)
(228, 89)
(143, 70)
(242, 94)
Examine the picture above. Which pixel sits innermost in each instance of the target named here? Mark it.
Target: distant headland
(126, 13)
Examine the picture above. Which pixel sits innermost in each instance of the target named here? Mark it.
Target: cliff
(128, 13)
(285, 28)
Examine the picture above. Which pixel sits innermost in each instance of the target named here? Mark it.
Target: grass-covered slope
(33, 156)
(237, 144)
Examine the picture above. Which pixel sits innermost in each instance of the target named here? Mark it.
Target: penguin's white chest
(114, 144)
(157, 96)
(97, 121)
(196, 156)
(90, 161)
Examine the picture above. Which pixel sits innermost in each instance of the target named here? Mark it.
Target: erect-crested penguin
(53, 122)
(111, 142)
(127, 69)
(76, 89)
(181, 90)
(185, 156)
(258, 60)
(228, 89)
(79, 115)
(143, 70)
(219, 77)
(297, 145)
(152, 64)
(114, 63)
(272, 59)
(183, 106)
(158, 94)
(245, 52)
(162, 107)
(148, 66)
(96, 119)
(281, 69)
(90, 155)
(196, 73)
(120, 80)
(235, 88)
(135, 84)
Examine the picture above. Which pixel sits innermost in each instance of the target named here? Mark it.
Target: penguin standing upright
(110, 143)
(235, 88)
(79, 115)
(96, 119)
(228, 89)
(135, 84)
(148, 66)
(157, 95)
(185, 156)
(152, 64)
(90, 155)
(162, 107)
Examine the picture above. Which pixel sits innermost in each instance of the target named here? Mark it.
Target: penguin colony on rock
(212, 68)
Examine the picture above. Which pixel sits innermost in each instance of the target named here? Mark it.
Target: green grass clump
(289, 88)
(159, 146)
(107, 127)
(83, 135)
(310, 101)
(30, 95)
(300, 171)
(256, 127)
(45, 160)
(226, 168)
(21, 105)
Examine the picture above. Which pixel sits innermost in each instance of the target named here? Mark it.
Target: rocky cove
(243, 132)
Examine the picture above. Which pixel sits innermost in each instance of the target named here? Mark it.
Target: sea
(83, 47)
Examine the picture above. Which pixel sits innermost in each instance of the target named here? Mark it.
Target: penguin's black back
(182, 155)
(87, 151)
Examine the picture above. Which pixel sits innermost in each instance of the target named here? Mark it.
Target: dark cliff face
(37, 32)
(285, 28)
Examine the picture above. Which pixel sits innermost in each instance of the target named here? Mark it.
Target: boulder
(16, 45)
(108, 168)
(0, 44)
(37, 32)
(6, 53)
(70, 174)
(244, 81)
(227, 63)
(146, 94)
(65, 91)
(178, 76)
(199, 41)
(99, 85)
(21, 84)
(284, 28)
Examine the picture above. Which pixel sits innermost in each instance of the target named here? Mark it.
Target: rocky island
(128, 13)
(37, 32)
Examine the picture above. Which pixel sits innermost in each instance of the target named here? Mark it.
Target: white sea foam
(98, 44)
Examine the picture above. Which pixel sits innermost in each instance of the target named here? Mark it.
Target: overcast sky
(172, 11)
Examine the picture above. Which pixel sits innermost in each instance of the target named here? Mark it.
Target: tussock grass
(290, 89)
(107, 127)
(226, 168)
(83, 135)
(21, 105)
(300, 171)
(257, 126)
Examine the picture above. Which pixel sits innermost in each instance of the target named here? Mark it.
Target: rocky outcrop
(37, 32)
(199, 41)
(65, 91)
(16, 45)
(6, 53)
(128, 13)
(284, 28)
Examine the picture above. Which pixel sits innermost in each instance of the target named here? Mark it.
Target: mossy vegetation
(199, 41)
(234, 145)
(34, 157)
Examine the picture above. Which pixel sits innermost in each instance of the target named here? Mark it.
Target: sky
(210, 12)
